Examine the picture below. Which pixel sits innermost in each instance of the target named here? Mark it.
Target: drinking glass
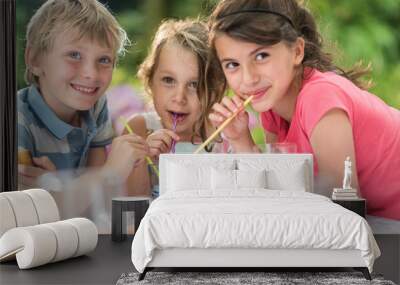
(284, 147)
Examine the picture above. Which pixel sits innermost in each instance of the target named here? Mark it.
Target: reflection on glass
(185, 147)
(285, 147)
(128, 219)
(88, 195)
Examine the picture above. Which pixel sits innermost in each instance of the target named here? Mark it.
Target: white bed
(247, 210)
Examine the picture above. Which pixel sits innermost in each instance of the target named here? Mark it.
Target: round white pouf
(6, 215)
(45, 205)
(67, 239)
(87, 234)
(39, 245)
(23, 208)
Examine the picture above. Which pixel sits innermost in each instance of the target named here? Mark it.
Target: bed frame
(246, 259)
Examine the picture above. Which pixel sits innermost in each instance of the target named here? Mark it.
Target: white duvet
(252, 218)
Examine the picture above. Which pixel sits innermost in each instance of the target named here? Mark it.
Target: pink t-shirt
(376, 132)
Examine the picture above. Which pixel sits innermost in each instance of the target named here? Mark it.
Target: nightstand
(356, 205)
(121, 206)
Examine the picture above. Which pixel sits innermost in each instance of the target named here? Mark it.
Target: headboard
(280, 166)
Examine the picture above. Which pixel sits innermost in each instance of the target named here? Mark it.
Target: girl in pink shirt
(272, 50)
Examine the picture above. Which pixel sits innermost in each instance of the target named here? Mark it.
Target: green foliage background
(353, 31)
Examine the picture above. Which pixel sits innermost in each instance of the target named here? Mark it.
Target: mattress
(253, 218)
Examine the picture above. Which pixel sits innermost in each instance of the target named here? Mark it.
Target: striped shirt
(42, 133)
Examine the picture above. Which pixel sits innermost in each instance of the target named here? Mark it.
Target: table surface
(110, 259)
(104, 265)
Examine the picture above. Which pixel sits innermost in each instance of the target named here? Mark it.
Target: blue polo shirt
(42, 133)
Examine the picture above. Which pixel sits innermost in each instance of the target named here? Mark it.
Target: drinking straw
(175, 122)
(148, 159)
(223, 125)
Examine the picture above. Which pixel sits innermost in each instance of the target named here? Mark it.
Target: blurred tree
(25, 9)
(367, 31)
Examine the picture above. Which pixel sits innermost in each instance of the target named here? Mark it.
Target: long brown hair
(193, 36)
(268, 22)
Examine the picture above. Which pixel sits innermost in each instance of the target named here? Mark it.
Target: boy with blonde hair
(63, 122)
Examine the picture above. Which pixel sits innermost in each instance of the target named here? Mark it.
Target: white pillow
(251, 178)
(292, 179)
(223, 179)
(182, 177)
(282, 174)
(188, 176)
(227, 179)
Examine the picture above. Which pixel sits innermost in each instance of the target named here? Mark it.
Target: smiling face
(267, 72)
(174, 88)
(73, 74)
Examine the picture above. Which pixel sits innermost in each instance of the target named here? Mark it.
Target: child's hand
(160, 141)
(28, 175)
(126, 152)
(238, 127)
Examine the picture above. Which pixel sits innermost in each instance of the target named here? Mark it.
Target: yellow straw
(150, 162)
(224, 124)
(148, 159)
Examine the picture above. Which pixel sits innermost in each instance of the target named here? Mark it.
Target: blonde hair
(192, 35)
(89, 17)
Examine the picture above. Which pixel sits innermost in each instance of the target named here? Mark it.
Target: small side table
(356, 205)
(120, 205)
